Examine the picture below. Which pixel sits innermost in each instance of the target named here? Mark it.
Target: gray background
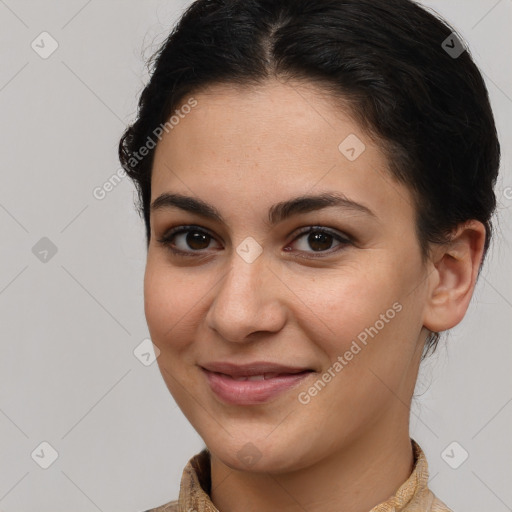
(70, 324)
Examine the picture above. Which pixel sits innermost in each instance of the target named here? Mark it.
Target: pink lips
(252, 383)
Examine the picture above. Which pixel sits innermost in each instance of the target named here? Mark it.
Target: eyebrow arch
(277, 213)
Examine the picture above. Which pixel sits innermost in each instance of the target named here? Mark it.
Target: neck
(353, 479)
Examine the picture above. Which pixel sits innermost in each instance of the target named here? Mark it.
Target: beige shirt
(412, 496)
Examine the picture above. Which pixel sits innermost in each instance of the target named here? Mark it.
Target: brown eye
(197, 240)
(320, 240)
(186, 240)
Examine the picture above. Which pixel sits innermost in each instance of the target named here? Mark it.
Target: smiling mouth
(253, 389)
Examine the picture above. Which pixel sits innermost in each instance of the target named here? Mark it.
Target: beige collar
(412, 496)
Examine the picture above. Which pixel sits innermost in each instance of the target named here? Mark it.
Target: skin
(242, 151)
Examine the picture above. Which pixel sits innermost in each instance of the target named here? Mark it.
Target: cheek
(343, 303)
(169, 305)
(367, 312)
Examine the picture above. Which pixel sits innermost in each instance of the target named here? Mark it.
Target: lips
(253, 383)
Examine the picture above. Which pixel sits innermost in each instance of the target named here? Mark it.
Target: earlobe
(455, 267)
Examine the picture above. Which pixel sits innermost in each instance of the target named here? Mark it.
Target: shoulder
(172, 506)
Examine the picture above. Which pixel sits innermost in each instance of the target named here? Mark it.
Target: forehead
(267, 143)
(229, 120)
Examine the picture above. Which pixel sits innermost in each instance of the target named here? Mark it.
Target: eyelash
(167, 239)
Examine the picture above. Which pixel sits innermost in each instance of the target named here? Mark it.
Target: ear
(452, 278)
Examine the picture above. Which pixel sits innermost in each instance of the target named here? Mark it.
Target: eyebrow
(276, 214)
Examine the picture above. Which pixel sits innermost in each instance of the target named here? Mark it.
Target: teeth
(257, 377)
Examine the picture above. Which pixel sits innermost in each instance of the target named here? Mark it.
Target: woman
(316, 181)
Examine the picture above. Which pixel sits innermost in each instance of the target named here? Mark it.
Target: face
(337, 289)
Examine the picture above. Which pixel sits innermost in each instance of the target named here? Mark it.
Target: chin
(263, 456)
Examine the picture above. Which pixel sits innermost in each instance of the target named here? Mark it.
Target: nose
(247, 301)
